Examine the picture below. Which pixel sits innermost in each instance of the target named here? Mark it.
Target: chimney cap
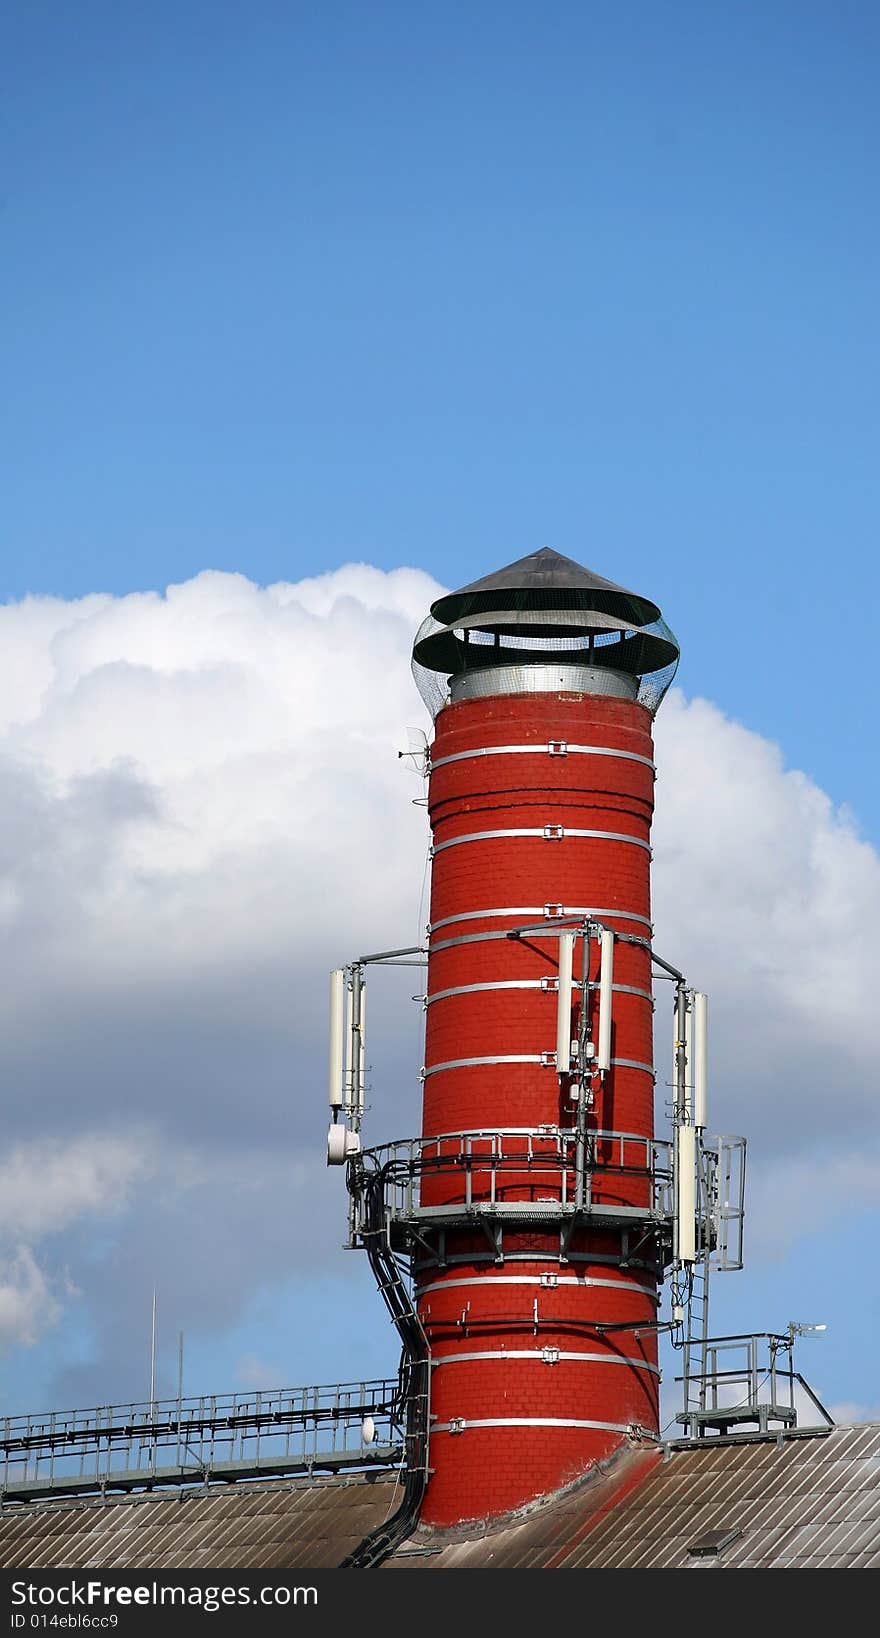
(543, 623)
(545, 579)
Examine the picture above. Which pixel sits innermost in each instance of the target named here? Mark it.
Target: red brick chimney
(537, 1260)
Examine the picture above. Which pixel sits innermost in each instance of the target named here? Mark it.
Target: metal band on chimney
(550, 913)
(531, 984)
(542, 1058)
(550, 832)
(542, 1283)
(555, 747)
(537, 1357)
(533, 933)
(461, 1424)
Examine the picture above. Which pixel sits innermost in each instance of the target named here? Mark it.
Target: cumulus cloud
(847, 1412)
(198, 794)
(46, 1185)
(768, 890)
(767, 894)
(201, 811)
(28, 1304)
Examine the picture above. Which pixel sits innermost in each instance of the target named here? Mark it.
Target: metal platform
(547, 1175)
(746, 1386)
(196, 1440)
(537, 1173)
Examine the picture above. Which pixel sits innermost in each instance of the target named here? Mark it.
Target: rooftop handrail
(565, 1137)
(230, 1412)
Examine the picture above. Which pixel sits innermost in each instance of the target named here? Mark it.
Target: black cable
(413, 1377)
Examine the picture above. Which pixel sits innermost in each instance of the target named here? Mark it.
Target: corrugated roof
(799, 1503)
(280, 1526)
(539, 1536)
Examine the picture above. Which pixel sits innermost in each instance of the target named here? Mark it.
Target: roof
(794, 1502)
(581, 617)
(281, 1526)
(542, 572)
(541, 1535)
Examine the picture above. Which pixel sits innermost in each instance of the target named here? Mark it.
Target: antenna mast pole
(153, 1358)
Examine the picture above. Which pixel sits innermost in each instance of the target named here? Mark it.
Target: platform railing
(744, 1383)
(487, 1164)
(184, 1440)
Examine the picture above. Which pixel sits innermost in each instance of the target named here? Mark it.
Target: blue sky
(293, 285)
(436, 284)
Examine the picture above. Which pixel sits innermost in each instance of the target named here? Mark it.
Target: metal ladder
(695, 1361)
(696, 1338)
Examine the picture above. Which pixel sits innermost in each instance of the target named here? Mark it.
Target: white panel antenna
(362, 1059)
(689, 1055)
(606, 980)
(563, 1006)
(350, 1043)
(337, 994)
(701, 1058)
(686, 1192)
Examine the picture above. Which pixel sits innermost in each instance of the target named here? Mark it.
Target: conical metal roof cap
(543, 623)
(545, 579)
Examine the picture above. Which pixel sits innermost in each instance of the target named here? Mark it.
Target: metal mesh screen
(507, 640)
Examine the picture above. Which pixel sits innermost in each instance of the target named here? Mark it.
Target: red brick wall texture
(513, 1342)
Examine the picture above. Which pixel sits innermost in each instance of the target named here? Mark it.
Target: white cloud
(791, 1195)
(202, 810)
(767, 895)
(213, 769)
(46, 1185)
(253, 1372)
(28, 1303)
(847, 1412)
